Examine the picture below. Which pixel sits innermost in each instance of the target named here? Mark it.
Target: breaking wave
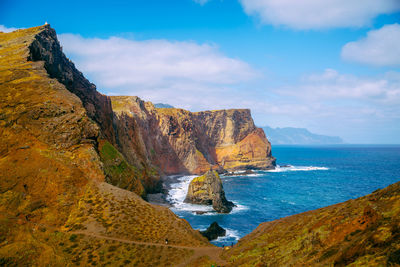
(291, 168)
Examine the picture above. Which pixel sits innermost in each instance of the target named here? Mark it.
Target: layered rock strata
(180, 141)
(208, 190)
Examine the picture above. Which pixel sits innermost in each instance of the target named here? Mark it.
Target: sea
(306, 178)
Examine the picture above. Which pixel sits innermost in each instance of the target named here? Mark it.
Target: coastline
(161, 198)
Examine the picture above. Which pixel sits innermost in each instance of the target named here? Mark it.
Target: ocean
(313, 177)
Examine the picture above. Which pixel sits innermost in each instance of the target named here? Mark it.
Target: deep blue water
(319, 176)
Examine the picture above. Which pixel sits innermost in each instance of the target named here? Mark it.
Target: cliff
(360, 232)
(180, 141)
(45, 47)
(208, 190)
(60, 170)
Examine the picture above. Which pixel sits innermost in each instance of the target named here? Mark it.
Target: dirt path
(213, 252)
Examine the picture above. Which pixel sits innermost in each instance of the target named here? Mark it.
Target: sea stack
(208, 190)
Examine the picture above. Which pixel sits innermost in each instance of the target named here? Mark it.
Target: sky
(330, 66)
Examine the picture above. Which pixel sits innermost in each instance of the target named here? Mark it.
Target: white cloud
(331, 85)
(319, 14)
(6, 29)
(354, 107)
(118, 62)
(380, 47)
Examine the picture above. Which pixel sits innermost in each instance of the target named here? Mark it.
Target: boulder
(213, 231)
(208, 190)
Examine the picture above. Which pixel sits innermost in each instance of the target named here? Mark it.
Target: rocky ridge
(208, 190)
(45, 48)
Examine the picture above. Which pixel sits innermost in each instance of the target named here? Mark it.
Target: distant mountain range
(298, 136)
(162, 105)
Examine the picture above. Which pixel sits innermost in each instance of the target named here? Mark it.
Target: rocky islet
(208, 190)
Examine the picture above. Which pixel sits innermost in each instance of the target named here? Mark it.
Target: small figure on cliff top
(166, 241)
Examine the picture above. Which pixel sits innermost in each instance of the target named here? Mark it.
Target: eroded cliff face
(140, 177)
(180, 141)
(153, 140)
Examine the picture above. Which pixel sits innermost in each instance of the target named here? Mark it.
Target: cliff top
(122, 103)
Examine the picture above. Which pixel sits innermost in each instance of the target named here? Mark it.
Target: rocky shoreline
(166, 181)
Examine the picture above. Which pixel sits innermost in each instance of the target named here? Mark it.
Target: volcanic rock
(213, 231)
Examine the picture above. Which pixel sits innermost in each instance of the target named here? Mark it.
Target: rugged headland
(75, 166)
(179, 141)
(68, 152)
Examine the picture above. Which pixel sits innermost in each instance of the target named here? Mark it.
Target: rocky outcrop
(179, 141)
(213, 231)
(358, 232)
(208, 190)
(44, 47)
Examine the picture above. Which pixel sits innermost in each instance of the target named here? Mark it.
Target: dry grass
(117, 213)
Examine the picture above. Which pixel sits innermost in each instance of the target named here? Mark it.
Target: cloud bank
(324, 101)
(157, 70)
(380, 48)
(317, 14)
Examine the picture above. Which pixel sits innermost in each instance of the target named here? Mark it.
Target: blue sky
(333, 68)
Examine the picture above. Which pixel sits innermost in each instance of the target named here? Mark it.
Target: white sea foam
(177, 195)
(254, 174)
(290, 168)
(230, 235)
(238, 207)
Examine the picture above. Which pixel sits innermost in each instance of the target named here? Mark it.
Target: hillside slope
(58, 168)
(360, 232)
